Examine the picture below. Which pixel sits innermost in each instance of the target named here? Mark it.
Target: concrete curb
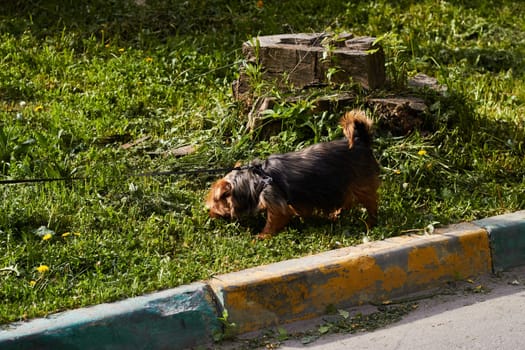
(304, 288)
(172, 319)
(283, 292)
(507, 239)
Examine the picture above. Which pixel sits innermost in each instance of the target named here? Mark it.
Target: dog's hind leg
(368, 198)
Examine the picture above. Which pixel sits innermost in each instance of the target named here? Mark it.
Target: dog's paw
(263, 236)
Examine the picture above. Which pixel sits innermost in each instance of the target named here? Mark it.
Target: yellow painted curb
(303, 288)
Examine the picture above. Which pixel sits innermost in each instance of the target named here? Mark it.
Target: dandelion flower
(121, 50)
(65, 234)
(76, 233)
(107, 46)
(32, 283)
(149, 59)
(42, 268)
(38, 108)
(397, 171)
(422, 152)
(47, 237)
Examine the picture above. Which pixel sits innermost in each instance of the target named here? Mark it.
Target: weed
(228, 328)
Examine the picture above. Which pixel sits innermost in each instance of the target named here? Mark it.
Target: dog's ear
(223, 189)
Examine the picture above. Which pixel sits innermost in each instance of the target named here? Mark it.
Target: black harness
(268, 180)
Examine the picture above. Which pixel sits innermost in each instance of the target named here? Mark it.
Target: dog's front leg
(276, 220)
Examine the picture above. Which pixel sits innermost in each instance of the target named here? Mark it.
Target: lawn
(114, 88)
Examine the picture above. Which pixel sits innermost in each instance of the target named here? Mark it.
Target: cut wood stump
(292, 63)
(423, 81)
(332, 102)
(304, 60)
(256, 120)
(399, 115)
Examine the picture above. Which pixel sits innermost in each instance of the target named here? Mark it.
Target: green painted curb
(507, 239)
(172, 319)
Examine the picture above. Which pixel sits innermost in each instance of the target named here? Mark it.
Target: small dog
(324, 178)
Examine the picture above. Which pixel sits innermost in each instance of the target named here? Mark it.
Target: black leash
(148, 174)
(41, 180)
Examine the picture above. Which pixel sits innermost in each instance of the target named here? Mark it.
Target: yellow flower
(121, 50)
(149, 59)
(32, 283)
(38, 108)
(65, 234)
(47, 236)
(107, 46)
(42, 268)
(422, 152)
(76, 233)
(397, 171)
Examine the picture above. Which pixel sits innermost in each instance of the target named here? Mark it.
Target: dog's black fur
(321, 179)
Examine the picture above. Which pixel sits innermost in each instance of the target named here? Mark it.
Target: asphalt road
(482, 313)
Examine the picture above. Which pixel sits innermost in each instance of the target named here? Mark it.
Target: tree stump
(294, 62)
(399, 115)
(303, 60)
(332, 102)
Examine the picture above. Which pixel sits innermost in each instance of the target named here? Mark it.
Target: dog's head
(236, 195)
(219, 200)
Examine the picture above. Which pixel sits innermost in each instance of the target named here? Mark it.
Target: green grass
(79, 81)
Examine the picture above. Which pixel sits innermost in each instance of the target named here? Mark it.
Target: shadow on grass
(138, 20)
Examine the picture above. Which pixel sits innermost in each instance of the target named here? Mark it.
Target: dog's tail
(357, 128)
